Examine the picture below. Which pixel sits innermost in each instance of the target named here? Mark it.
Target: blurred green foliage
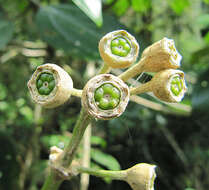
(34, 32)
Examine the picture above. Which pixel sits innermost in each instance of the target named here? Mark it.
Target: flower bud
(118, 49)
(161, 55)
(50, 85)
(105, 96)
(141, 176)
(169, 85)
(55, 154)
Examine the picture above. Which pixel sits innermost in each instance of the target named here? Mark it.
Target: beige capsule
(118, 60)
(60, 93)
(168, 85)
(88, 97)
(141, 176)
(161, 55)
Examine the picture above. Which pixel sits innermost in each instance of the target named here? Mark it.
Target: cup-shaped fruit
(50, 85)
(105, 96)
(169, 85)
(118, 49)
(141, 176)
(161, 55)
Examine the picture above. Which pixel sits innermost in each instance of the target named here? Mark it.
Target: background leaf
(120, 7)
(92, 9)
(203, 21)
(200, 98)
(105, 159)
(6, 31)
(141, 5)
(66, 27)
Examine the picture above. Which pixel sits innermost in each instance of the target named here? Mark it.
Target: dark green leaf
(200, 98)
(105, 159)
(55, 140)
(98, 141)
(6, 31)
(67, 27)
(92, 10)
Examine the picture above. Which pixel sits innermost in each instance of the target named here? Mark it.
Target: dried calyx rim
(105, 96)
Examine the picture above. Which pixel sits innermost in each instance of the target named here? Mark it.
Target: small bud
(169, 85)
(55, 153)
(105, 96)
(161, 55)
(141, 176)
(118, 49)
(50, 85)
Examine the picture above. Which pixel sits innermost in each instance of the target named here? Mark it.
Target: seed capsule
(105, 96)
(161, 55)
(50, 86)
(141, 176)
(118, 49)
(169, 85)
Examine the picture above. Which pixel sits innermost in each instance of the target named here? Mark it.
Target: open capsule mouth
(107, 96)
(45, 83)
(175, 57)
(120, 46)
(177, 85)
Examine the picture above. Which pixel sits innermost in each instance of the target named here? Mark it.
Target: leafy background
(174, 137)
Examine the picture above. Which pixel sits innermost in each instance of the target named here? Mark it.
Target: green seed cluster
(120, 46)
(107, 96)
(176, 85)
(45, 83)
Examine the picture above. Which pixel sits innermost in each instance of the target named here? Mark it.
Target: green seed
(50, 77)
(51, 85)
(122, 41)
(104, 104)
(46, 91)
(115, 93)
(113, 103)
(42, 90)
(120, 46)
(44, 77)
(115, 42)
(39, 83)
(99, 93)
(107, 88)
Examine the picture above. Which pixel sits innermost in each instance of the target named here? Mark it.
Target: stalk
(116, 175)
(133, 71)
(53, 180)
(105, 69)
